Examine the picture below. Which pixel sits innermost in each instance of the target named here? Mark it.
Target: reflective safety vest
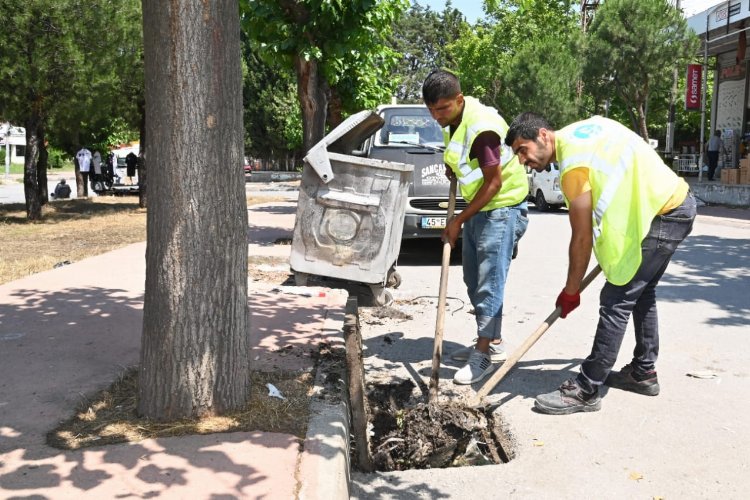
(478, 118)
(629, 186)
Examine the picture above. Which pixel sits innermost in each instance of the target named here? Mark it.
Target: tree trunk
(142, 171)
(194, 357)
(41, 168)
(311, 90)
(335, 109)
(79, 177)
(30, 176)
(642, 129)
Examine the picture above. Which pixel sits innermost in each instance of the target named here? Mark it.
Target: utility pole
(669, 146)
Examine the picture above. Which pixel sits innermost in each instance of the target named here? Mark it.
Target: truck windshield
(409, 125)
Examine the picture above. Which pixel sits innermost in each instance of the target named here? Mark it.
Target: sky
(472, 9)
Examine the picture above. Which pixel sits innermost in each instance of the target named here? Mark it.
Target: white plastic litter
(702, 374)
(274, 392)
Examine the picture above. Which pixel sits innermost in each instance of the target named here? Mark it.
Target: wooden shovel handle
(530, 341)
(437, 351)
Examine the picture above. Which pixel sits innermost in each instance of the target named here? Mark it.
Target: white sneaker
(497, 352)
(478, 367)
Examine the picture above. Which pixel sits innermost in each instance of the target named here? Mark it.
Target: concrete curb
(324, 468)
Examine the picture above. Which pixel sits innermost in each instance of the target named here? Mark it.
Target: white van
(544, 187)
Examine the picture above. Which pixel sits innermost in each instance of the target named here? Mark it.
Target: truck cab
(411, 135)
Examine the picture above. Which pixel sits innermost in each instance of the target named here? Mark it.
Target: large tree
(517, 58)
(60, 64)
(336, 49)
(273, 123)
(632, 48)
(194, 357)
(421, 36)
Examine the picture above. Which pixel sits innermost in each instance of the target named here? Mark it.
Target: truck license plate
(433, 222)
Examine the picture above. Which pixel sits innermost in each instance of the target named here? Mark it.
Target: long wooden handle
(437, 351)
(530, 341)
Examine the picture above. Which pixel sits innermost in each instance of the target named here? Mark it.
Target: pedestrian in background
(633, 211)
(84, 164)
(62, 190)
(715, 145)
(494, 184)
(131, 164)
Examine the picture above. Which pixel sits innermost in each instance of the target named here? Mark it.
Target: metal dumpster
(350, 210)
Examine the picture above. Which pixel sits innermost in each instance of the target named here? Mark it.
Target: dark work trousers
(713, 162)
(638, 297)
(85, 177)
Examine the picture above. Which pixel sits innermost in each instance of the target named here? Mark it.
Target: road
(690, 442)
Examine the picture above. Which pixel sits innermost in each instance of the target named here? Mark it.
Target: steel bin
(350, 210)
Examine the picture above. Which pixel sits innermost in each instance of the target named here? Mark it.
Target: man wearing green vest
(627, 205)
(495, 185)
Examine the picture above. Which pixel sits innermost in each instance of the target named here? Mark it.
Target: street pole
(669, 146)
(703, 103)
(7, 153)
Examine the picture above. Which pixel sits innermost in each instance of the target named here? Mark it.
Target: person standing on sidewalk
(633, 211)
(715, 145)
(494, 183)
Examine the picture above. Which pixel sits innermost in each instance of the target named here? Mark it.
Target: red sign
(693, 87)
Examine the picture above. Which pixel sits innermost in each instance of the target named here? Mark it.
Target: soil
(424, 435)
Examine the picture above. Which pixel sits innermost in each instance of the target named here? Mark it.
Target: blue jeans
(638, 297)
(488, 241)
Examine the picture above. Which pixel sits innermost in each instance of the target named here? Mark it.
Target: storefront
(722, 30)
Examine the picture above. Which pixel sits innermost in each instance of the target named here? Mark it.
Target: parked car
(411, 135)
(544, 187)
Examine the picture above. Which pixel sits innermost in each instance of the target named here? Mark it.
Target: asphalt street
(689, 442)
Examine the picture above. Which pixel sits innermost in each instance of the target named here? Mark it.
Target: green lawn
(17, 168)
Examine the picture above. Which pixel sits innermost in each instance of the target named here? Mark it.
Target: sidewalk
(71, 331)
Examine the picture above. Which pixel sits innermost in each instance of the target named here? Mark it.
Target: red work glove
(568, 302)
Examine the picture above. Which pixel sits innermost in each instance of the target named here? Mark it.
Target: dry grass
(110, 417)
(71, 230)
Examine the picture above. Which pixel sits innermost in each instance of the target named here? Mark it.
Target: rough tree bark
(41, 167)
(142, 170)
(311, 90)
(30, 175)
(194, 357)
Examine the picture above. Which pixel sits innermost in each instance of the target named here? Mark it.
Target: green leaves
(632, 47)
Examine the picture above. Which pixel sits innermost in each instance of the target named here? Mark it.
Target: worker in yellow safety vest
(633, 211)
(494, 184)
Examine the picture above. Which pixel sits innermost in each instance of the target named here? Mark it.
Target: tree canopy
(336, 50)
(632, 47)
(421, 37)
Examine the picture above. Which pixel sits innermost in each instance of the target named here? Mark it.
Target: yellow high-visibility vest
(476, 119)
(629, 185)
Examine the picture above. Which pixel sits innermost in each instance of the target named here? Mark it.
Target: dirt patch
(71, 230)
(409, 435)
(110, 416)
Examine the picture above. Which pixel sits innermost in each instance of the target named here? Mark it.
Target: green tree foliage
(632, 48)
(58, 74)
(543, 77)
(336, 49)
(522, 57)
(421, 36)
(272, 118)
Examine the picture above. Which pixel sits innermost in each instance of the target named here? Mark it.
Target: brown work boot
(628, 379)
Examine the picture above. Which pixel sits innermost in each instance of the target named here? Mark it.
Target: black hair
(526, 125)
(440, 84)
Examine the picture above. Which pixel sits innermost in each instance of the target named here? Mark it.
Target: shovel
(530, 341)
(437, 351)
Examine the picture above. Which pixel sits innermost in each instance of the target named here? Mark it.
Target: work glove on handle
(567, 302)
